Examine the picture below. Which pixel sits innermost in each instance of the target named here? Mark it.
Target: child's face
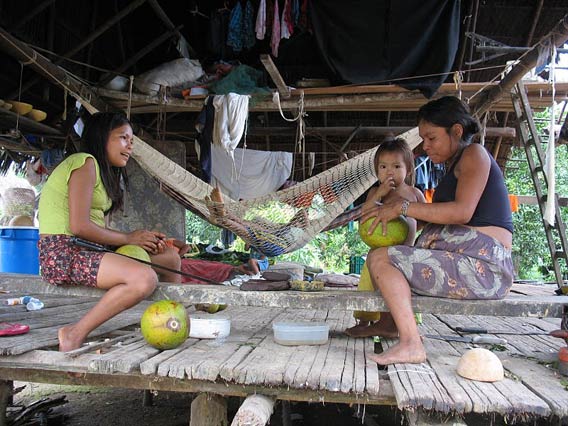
(391, 165)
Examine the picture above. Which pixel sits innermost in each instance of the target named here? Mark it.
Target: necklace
(450, 163)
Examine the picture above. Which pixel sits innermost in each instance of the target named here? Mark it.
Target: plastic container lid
(300, 333)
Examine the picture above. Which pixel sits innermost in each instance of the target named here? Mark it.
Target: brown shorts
(64, 263)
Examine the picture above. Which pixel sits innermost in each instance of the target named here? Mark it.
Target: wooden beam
(169, 24)
(490, 96)
(31, 14)
(89, 39)
(48, 374)
(43, 66)
(281, 86)
(532, 200)
(536, 17)
(512, 305)
(139, 55)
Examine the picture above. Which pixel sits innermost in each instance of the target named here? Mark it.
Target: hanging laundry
(286, 25)
(269, 15)
(304, 22)
(231, 113)
(261, 20)
(234, 38)
(204, 126)
(248, 27)
(295, 12)
(241, 27)
(275, 40)
(218, 33)
(258, 172)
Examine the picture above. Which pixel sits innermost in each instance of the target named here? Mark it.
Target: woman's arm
(81, 187)
(472, 172)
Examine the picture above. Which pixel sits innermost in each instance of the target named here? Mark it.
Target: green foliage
(531, 254)
(329, 250)
(198, 230)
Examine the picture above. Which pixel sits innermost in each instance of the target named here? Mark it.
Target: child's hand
(385, 188)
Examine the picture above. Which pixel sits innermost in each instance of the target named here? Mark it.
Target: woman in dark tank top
(463, 251)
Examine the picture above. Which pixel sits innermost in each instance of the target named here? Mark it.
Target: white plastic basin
(300, 333)
(209, 328)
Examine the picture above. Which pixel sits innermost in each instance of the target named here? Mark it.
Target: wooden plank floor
(250, 361)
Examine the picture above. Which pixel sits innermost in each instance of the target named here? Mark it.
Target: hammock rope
(276, 223)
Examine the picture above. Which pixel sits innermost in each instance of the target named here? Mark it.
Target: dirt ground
(88, 406)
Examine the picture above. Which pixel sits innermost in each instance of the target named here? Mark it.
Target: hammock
(276, 223)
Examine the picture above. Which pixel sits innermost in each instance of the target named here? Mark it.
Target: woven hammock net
(273, 224)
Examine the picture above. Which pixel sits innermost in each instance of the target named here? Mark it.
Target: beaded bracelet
(404, 208)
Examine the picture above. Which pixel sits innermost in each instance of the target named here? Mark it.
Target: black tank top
(493, 208)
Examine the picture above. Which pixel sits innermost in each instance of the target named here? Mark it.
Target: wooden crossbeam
(283, 89)
(515, 304)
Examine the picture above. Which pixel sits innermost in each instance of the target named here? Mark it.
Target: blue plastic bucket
(18, 250)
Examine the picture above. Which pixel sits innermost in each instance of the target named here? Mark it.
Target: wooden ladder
(532, 144)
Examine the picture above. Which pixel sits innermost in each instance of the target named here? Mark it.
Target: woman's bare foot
(69, 339)
(402, 353)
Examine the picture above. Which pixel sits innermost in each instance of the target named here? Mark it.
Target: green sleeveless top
(53, 210)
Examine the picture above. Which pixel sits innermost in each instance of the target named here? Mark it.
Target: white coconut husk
(481, 365)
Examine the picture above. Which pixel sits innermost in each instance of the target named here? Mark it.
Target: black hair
(95, 135)
(401, 146)
(447, 111)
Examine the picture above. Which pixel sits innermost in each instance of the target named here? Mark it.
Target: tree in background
(531, 254)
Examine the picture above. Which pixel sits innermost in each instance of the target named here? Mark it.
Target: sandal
(9, 329)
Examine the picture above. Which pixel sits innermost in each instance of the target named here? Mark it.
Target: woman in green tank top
(78, 195)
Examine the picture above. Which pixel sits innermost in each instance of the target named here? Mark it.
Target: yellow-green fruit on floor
(134, 251)
(165, 324)
(210, 307)
(397, 231)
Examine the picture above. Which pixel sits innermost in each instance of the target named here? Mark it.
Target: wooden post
(6, 392)
(255, 411)
(208, 410)
(421, 418)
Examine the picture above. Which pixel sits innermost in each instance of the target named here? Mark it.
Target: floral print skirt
(457, 262)
(64, 263)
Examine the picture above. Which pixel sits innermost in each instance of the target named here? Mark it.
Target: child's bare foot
(217, 199)
(69, 339)
(385, 327)
(401, 353)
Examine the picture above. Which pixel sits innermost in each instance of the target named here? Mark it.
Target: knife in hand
(489, 340)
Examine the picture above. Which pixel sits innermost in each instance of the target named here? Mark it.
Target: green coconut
(397, 232)
(134, 251)
(165, 324)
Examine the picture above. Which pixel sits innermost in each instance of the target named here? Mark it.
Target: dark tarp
(372, 41)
